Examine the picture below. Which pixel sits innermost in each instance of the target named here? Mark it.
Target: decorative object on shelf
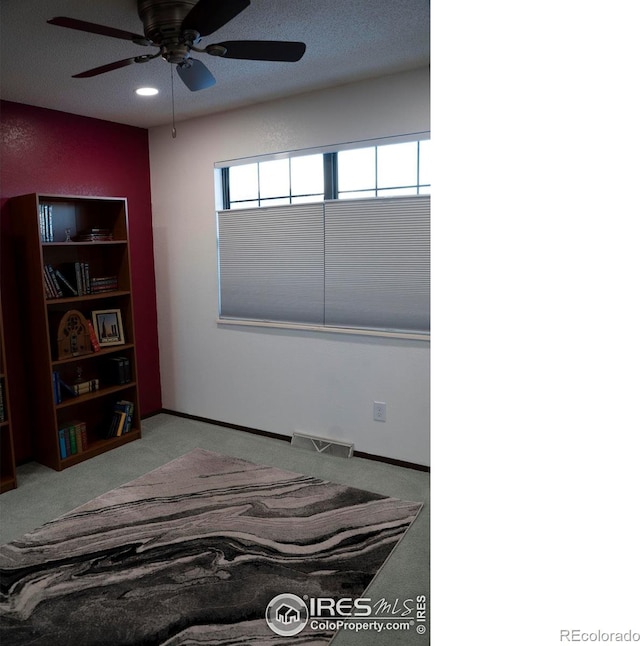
(108, 326)
(73, 335)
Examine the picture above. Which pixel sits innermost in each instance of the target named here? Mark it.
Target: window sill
(388, 334)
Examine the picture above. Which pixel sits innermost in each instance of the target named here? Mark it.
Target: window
(383, 171)
(349, 264)
(377, 264)
(278, 181)
(424, 167)
(296, 248)
(271, 264)
(374, 171)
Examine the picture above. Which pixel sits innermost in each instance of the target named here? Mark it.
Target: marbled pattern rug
(192, 553)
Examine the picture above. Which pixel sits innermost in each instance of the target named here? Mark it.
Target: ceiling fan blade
(260, 50)
(195, 75)
(208, 16)
(105, 68)
(93, 28)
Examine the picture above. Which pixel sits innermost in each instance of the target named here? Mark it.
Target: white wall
(270, 379)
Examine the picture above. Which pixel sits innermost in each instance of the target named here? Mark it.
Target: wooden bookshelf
(7, 458)
(47, 230)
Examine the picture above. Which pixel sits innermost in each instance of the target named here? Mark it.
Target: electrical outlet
(380, 411)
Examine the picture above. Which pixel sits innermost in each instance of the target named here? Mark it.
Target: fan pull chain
(173, 109)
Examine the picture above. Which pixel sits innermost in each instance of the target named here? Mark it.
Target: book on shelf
(51, 280)
(122, 419)
(57, 387)
(61, 387)
(64, 452)
(47, 290)
(45, 215)
(103, 284)
(72, 279)
(95, 344)
(77, 275)
(64, 282)
(72, 439)
(84, 387)
(48, 284)
(81, 430)
(116, 370)
(127, 407)
(86, 278)
(94, 234)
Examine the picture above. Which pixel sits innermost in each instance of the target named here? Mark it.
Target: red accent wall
(45, 151)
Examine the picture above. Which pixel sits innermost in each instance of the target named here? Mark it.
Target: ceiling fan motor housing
(162, 19)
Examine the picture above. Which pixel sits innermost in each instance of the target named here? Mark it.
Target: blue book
(63, 444)
(57, 395)
(127, 408)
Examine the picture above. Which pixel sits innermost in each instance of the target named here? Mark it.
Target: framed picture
(108, 327)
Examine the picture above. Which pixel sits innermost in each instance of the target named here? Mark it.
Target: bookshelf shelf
(93, 355)
(62, 285)
(94, 243)
(101, 392)
(87, 297)
(100, 446)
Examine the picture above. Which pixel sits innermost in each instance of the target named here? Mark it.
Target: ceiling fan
(176, 27)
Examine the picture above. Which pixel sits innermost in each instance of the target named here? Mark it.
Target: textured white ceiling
(346, 40)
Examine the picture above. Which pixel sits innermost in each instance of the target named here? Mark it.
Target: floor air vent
(322, 445)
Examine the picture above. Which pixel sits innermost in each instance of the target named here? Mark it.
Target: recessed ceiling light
(147, 91)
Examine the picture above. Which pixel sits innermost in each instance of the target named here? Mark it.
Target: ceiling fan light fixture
(216, 50)
(147, 91)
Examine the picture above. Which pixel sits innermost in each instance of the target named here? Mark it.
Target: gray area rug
(192, 553)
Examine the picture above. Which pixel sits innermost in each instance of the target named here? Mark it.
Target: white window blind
(271, 265)
(358, 264)
(377, 265)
